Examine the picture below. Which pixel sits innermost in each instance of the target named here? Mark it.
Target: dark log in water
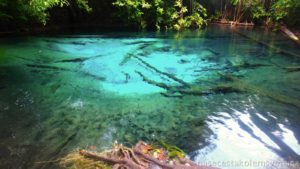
(61, 42)
(74, 60)
(245, 65)
(78, 60)
(292, 68)
(195, 90)
(126, 58)
(212, 51)
(276, 49)
(56, 68)
(161, 85)
(46, 67)
(247, 87)
(163, 73)
(140, 42)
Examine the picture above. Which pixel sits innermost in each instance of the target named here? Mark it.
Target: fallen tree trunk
(267, 45)
(174, 91)
(161, 72)
(292, 68)
(78, 60)
(57, 68)
(233, 23)
(290, 34)
(247, 87)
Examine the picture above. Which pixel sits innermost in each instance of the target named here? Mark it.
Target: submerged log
(46, 67)
(161, 72)
(247, 87)
(56, 68)
(292, 68)
(179, 91)
(76, 60)
(276, 49)
(126, 58)
(245, 65)
(62, 42)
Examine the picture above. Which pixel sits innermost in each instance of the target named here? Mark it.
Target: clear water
(59, 93)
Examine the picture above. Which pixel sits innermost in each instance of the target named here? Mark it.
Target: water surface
(59, 93)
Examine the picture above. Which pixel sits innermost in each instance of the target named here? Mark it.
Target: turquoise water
(59, 93)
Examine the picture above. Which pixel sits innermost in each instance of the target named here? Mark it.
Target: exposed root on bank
(141, 156)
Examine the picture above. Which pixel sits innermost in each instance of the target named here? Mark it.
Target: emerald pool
(219, 94)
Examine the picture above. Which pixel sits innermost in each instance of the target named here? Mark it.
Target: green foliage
(258, 11)
(134, 10)
(173, 151)
(24, 11)
(162, 14)
(281, 8)
(269, 12)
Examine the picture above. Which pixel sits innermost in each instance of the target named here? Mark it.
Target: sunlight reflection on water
(238, 140)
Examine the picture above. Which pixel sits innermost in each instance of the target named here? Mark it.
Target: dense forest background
(25, 15)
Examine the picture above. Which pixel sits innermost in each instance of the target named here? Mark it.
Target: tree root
(121, 157)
